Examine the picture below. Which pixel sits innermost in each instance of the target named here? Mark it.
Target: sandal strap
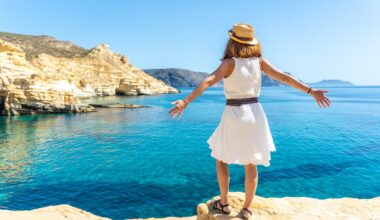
(215, 205)
(247, 210)
(221, 205)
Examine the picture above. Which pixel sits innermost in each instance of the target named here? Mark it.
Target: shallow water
(127, 163)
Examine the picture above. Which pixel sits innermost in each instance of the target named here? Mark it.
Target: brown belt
(238, 102)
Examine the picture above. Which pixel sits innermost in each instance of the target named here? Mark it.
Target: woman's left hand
(319, 96)
(179, 107)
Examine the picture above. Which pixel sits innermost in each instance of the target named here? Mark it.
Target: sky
(313, 40)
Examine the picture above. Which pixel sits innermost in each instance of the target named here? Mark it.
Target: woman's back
(245, 79)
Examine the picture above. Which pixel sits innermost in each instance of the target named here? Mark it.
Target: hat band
(241, 38)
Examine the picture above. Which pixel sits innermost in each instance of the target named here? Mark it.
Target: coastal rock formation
(54, 75)
(296, 208)
(24, 90)
(286, 208)
(101, 72)
(64, 212)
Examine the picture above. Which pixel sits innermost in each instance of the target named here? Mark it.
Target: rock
(100, 73)
(117, 105)
(286, 208)
(296, 208)
(124, 59)
(61, 74)
(64, 212)
(142, 84)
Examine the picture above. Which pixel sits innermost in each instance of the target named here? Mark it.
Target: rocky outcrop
(297, 208)
(25, 90)
(52, 82)
(286, 208)
(101, 72)
(64, 212)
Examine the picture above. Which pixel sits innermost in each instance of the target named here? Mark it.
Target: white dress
(243, 135)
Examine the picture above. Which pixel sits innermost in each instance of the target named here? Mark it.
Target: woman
(243, 135)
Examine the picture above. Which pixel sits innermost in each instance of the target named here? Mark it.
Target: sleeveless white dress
(243, 135)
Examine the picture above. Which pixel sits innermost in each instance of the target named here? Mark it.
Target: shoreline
(263, 208)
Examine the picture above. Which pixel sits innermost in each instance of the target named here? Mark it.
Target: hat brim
(253, 42)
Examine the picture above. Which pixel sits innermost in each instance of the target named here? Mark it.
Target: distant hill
(188, 78)
(331, 82)
(34, 45)
(178, 77)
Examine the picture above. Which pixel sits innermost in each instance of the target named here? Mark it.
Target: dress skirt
(242, 136)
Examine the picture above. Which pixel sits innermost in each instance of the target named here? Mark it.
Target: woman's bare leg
(251, 179)
(223, 180)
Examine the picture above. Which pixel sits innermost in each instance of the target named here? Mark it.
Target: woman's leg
(223, 180)
(251, 179)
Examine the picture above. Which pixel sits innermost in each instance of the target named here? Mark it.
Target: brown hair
(235, 49)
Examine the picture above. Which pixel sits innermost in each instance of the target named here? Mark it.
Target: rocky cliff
(287, 208)
(39, 74)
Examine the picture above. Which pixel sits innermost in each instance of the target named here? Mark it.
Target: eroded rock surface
(286, 208)
(58, 212)
(51, 82)
(296, 208)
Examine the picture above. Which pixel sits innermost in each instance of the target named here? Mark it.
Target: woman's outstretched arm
(272, 72)
(224, 69)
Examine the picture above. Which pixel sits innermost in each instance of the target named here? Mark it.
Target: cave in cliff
(2, 101)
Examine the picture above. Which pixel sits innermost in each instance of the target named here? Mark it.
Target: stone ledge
(58, 212)
(296, 208)
(286, 208)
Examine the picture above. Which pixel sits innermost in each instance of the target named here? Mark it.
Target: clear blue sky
(314, 40)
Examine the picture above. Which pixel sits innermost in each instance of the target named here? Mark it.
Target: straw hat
(243, 33)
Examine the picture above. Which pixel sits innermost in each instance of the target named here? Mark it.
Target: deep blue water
(124, 163)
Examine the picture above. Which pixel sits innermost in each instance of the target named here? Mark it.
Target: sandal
(245, 213)
(214, 206)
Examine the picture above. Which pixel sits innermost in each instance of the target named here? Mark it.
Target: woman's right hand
(179, 107)
(319, 96)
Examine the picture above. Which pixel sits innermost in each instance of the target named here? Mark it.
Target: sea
(139, 163)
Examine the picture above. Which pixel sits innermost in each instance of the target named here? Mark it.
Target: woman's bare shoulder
(228, 63)
(227, 66)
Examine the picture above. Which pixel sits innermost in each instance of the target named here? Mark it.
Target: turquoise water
(141, 163)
